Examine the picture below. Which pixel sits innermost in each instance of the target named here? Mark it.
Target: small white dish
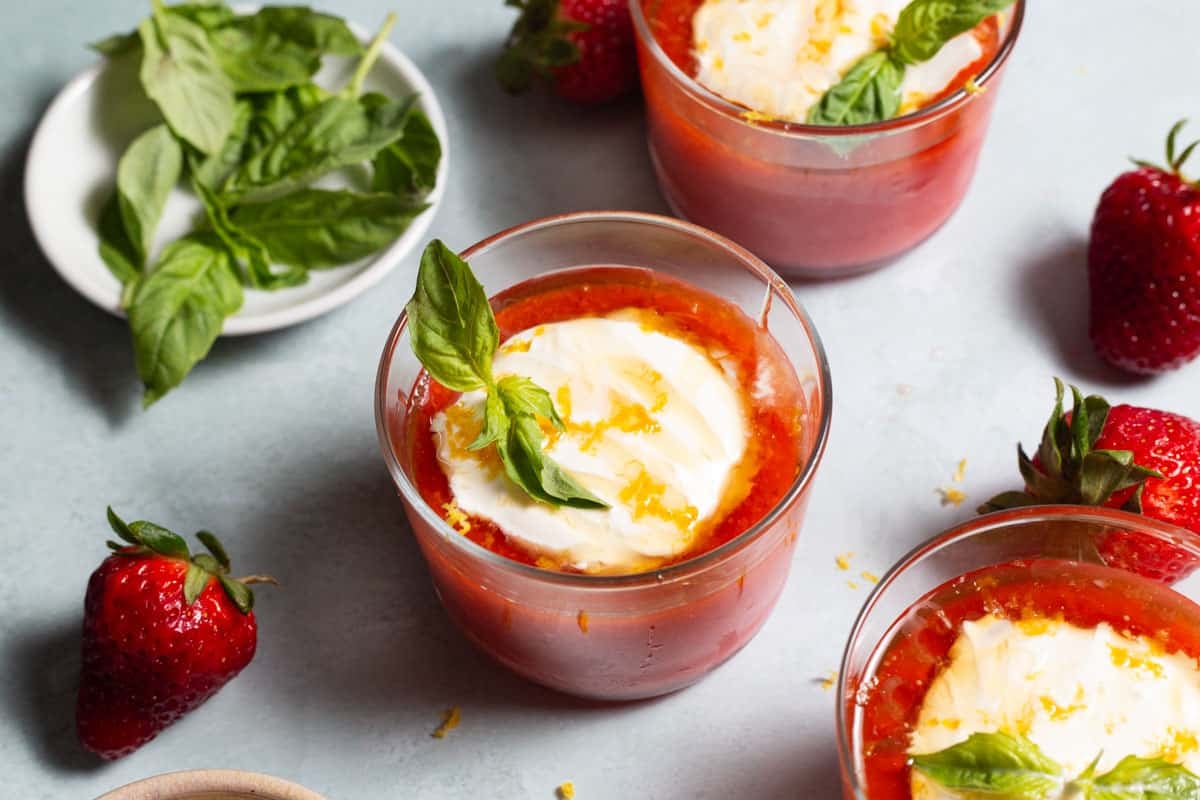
(211, 784)
(72, 164)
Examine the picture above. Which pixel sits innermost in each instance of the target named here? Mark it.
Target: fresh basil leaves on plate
(246, 129)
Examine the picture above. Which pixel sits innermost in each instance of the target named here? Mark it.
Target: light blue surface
(947, 354)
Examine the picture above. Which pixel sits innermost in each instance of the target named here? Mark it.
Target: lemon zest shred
(973, 88)
(952, 496)
(450, 721)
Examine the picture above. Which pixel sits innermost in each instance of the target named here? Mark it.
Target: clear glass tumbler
(633, 636)
(1064, 533)
(813, 201)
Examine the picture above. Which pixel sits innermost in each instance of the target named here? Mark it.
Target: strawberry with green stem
(583, 48)
(1138, 459)
(163, 631)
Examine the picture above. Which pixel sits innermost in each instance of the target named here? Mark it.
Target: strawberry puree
(809, 200)
(688, 312)
(1080, 594)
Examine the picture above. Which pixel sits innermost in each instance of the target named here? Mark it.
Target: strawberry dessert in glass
(1006, 658)
(827, 137)
(607, 464)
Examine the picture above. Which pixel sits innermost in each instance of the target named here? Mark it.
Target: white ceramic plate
(72, 166)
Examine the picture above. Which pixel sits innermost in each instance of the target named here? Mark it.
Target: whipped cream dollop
(655, 426)
(779, 57)
(1075, 692)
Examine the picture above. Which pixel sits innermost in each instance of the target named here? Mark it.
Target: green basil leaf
(317, 32)
(527, 465)
(250, 254)
(194, 582)
(924, 26)
(869, 92)
(451, 326)
(146, 174)
(317, 228)
(159, 539)
(408, 167)
(259, 60)
(209, 16)
(179, 309)
(214, 170)
(181, 75)
(338, 132)
(1008, 766)
(495, 423)
(275, 112)
(116, 45)
(117, 250)
(521, 396)
(1145, 779)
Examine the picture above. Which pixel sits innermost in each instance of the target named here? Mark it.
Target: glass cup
(813, 201)
(1071, 533)
(631, 636)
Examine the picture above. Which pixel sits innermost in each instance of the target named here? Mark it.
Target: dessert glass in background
(812, 201)
(617, 637)
(915, 592)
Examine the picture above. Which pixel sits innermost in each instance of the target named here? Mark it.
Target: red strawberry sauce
(712, 323)
(810, 205)
(1080, 594)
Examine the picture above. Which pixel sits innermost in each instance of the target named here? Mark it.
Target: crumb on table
(449, 722)
(952, 496)
(565, 790)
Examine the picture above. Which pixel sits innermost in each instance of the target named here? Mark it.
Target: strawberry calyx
(1068, 467)
(538, 43)
(1176, 158)
(146, 538)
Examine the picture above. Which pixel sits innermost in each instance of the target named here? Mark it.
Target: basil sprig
(870, 90)
(1005, 766)
(454, 335)
(244, 126)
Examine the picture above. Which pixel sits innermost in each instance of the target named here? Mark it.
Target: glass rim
(801, 130)
(776, 288)
(965, 530)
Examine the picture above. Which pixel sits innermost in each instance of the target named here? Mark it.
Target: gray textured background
(947, 354)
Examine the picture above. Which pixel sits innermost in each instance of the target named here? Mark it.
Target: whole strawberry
(163, 630)
(1138, 459)
(584, 48)
(1144, 267)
